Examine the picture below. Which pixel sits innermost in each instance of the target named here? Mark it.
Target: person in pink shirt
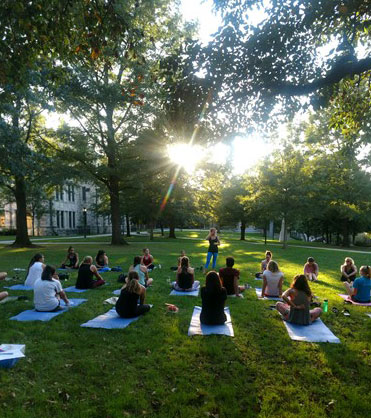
(311, 270)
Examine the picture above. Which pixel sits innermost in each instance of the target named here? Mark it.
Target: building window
(62, 219)
(61, 192)
(73, 193)
(73, 220)
(57, 193)
(57, 215)
(70, 219)
(83, 193)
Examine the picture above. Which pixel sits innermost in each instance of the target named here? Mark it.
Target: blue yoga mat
(258, 292)
(109, 320)
(18, 287)
(74, 290)
(33, 315)
(104, 269)
(178, 293)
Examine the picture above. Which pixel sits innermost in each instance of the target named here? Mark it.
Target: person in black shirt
(85, 275)
(213, 248)
(185, 279)
(127, 304)
(72, 259)
(213, 297)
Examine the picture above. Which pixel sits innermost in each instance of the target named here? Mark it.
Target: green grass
(152, 368)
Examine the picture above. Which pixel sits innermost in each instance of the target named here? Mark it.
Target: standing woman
(127, 304)
(48, 292)
(348, 270)
(213, 247)
(35, 269)
(213, 297)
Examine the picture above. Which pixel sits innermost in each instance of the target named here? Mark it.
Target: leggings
(208, 259)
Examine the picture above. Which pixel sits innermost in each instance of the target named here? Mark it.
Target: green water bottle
(325, 305)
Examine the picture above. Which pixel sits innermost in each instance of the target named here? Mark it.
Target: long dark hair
(136, 260)
(69, 249)
(184, 264)
(99, 255)
(48, 273)
(213, 283)
(300, 282)
(34, 259)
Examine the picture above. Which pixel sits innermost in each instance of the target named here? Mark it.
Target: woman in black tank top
(213, 248)
(185, 281)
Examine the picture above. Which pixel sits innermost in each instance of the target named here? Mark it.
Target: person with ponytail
(360, 291)
(48, 291)
(127, 304)
(35, 269)
(185, 277)
(213, 297)
(297, 303)
(142, 271)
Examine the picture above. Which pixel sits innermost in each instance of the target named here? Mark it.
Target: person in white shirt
(35, 269)
(272, 280)
(48, 291)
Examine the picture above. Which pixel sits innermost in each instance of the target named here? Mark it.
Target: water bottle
(325, 305)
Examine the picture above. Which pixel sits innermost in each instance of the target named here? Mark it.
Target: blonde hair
(366, 271)
(132, 284)
(273, 266)
(88, 259)
(345, 262)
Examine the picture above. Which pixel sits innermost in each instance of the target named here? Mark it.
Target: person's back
(363, 286)
(126, 305)
(45, 291)
(185, 279)
(273, 280)
(34, 273)
(213, 297)
(84, 277)
(228, 274)
(141, 274)
(300, 316)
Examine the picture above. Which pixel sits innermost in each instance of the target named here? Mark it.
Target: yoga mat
(368, 314)
(317, 332)
(177, 293)
(104, 270)
(117, 292)
(348, 299)
(259, 292)
(74, 290)
(10, 354)
(196, 328)
(112, 300)
(110, 320)
(19, 287)
(33, 315)
(9, 299)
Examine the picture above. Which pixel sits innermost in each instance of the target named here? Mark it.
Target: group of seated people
(296, 306)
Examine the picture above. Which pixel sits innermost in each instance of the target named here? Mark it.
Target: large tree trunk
(117, 238)
(22, 239)
(162, 229)
(172, 230)
(127, 225)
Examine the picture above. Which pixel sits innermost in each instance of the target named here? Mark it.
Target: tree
(114, 96)
(266, 55)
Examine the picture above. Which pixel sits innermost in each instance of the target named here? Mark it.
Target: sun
(186, 156)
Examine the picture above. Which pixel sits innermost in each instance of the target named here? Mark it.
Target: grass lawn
(152, 368)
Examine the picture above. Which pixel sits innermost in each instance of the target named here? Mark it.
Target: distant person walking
(212, 251)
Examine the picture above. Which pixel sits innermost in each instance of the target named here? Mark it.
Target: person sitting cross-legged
(185, 279)
(142, 271)
(229, 277)
(213, 297)
(297, 298)
(360, 292)
(127, 304)
(272, 280)
(86, 273)
(311, 269)
(48, 291)
(348, 270)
